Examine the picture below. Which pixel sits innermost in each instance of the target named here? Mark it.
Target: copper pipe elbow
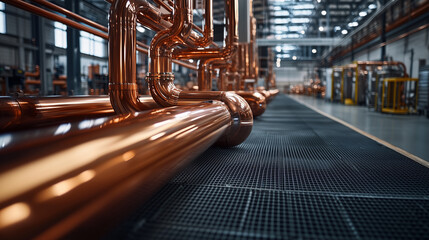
(256, 101)
(274, 92)
(265, 93)
(241, 120)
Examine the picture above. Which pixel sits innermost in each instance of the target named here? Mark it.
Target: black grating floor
(299, 175)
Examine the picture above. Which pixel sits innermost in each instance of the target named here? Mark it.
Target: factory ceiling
(294, 29)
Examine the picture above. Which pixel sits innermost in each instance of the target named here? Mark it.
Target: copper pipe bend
(256, 101)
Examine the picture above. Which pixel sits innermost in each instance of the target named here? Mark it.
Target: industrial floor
(408, 132)
(300, 175)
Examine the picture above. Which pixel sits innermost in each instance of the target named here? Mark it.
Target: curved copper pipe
(256, 101)
(73, 176)
(29, 112)
(161, 79)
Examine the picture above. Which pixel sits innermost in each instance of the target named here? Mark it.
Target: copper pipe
(29, 112)
(70, 14)
(72, 177)
(256, 101)
(161, 80)
(41, 12)
(208, 56)
(161, 3)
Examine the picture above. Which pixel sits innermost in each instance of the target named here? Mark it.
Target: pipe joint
(162, 89)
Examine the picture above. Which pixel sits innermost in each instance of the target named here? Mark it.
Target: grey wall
(399, 51)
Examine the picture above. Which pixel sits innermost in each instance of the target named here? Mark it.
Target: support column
(74, 85)
(383, 35)
(40, 58)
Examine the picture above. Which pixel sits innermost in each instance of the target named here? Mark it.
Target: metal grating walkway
(299, 175)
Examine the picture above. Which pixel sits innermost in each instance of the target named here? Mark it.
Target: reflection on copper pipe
(26, 112)
(256, 101)
(74, 178)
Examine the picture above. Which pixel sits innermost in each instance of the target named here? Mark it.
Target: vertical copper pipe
(161, 79)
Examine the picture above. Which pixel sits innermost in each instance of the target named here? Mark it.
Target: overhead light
(303, 32)
(300, 20)
(302, 12)
(372, 6)
(337, 28)
(191, 60)
(323, 12)
(321, 29)
(294, 58)
(344, 32)
(303, 6)
(278, 62)
(363, 14)
(140, 28)
(353, 24)
(319, 1)
(278, 49)
(313, 50)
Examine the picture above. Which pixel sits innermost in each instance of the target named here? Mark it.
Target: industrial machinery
(399, 95)
(361, 81)
(423, 91)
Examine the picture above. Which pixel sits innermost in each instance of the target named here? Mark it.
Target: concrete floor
(408, 132)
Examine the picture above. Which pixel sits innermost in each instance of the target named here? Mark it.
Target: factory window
(2, 18)
(60, 35)
(92, 45)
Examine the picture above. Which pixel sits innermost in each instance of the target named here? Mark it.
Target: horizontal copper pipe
(52, 16)
(255, 100)
(78, 179)
(24, 112)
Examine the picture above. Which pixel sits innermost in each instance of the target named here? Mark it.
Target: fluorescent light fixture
(300, 20)
(302, 12)
(337, 28)
(288, 47)
(313, 50)
(278, 49)
(303, 6)
(140, 28)
(353, 24)
(372, 6)
(283, 55)
(363, 14)
(294, 58)
(294, 28)
(323, 12)
(344, 32)
(281, 28)
(280, 20)
(280, 13)
(321, 29)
